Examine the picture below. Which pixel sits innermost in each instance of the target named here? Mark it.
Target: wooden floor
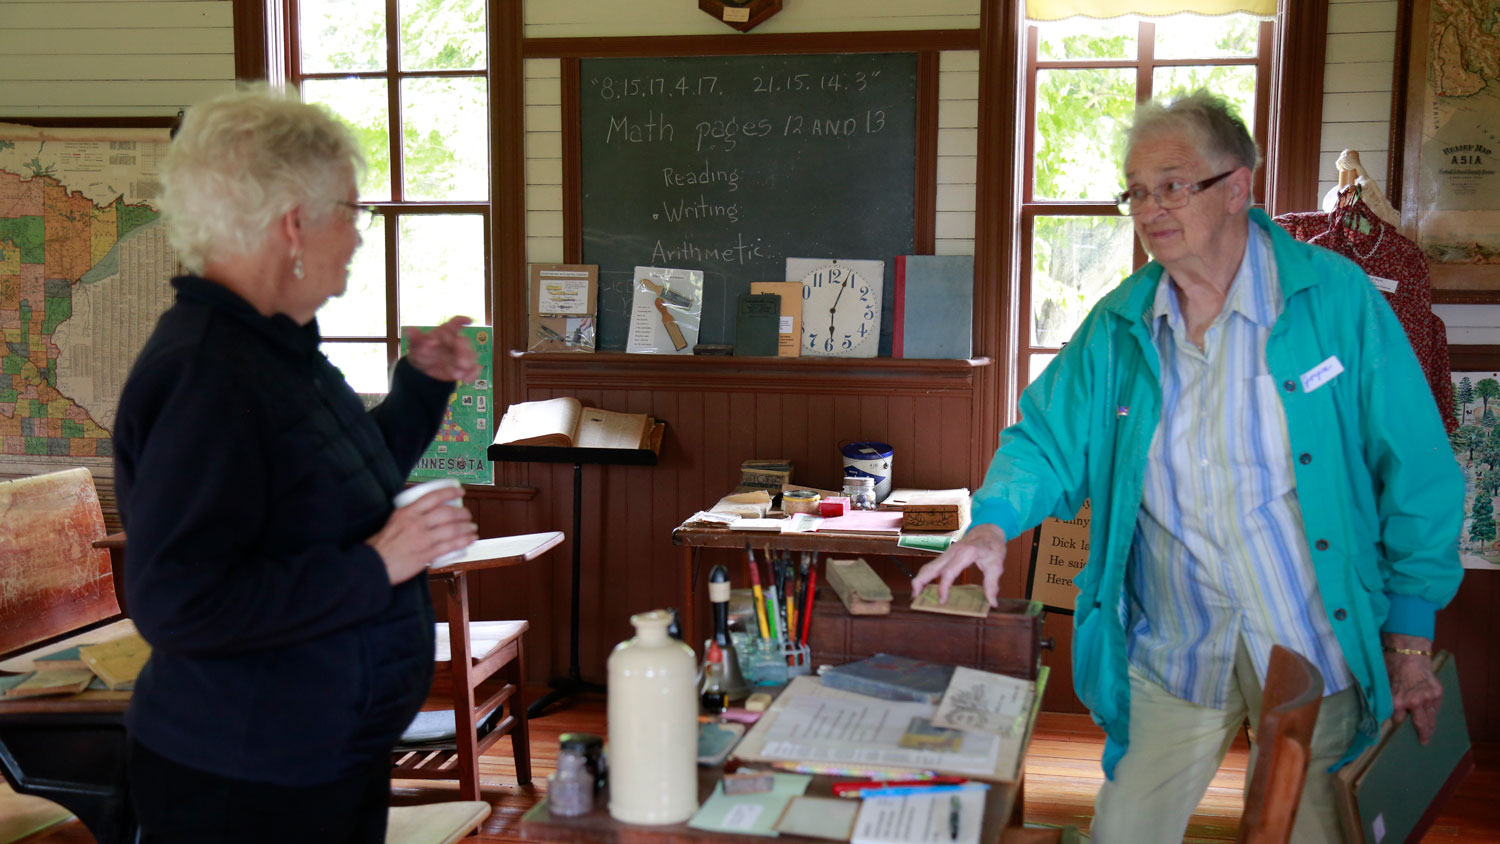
(1062, 775)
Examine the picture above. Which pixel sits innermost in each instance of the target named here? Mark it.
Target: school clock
(841, 310)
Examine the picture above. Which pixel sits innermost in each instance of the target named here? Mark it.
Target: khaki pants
(1175, 749)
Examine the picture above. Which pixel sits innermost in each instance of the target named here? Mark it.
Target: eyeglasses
(1168, 195)
(363, 213)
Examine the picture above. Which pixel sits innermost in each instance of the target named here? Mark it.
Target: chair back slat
(1290, 699)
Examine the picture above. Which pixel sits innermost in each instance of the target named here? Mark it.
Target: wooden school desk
(1002, 815)
(72, 749)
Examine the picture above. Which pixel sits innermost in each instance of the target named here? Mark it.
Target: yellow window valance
(1055, 10)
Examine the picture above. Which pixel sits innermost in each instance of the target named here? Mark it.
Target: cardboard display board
(1059, 551)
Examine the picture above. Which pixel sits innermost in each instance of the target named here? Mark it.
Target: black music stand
(573, 683)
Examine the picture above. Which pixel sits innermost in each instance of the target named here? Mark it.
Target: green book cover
(1402, 777)
(757, 325)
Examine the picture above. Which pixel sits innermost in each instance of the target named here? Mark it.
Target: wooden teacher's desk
(693, 539)
(1002, 818)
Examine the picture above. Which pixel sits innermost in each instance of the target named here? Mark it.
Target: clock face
(840, 313)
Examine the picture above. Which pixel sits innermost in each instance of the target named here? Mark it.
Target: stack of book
(112, 665)
(770, 475)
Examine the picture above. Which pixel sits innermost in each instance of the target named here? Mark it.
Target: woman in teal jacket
(1380, 493)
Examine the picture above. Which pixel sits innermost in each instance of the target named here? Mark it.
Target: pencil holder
(769, 662)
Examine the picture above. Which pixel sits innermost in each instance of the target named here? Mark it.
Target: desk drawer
(1008, 641)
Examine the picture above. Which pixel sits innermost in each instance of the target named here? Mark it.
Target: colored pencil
(760, 609)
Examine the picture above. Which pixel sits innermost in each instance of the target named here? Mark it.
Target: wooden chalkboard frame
(165, 121)
(926, 44)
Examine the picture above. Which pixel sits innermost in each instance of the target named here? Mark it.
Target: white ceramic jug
(653, 726)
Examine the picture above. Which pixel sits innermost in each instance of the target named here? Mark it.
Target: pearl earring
(297, 269)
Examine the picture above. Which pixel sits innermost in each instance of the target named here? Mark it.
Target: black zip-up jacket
(249, 477)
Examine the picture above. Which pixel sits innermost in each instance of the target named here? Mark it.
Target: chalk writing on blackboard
(730, 164)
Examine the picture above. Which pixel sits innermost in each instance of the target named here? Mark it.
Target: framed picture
(1476, 445)
(1445, 143)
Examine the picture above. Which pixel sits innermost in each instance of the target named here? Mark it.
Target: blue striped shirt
(1219, 552)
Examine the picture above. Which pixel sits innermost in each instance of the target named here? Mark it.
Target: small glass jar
(570, 790)
(861, 493)
(591, 748)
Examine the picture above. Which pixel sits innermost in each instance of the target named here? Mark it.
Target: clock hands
(835, 306)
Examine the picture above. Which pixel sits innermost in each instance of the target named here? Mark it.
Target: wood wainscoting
(719, 411)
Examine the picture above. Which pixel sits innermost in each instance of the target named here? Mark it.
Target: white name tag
(1321, 374)
(1385, 285)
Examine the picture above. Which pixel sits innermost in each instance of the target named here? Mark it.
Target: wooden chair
(474, 655)
(1289, 709)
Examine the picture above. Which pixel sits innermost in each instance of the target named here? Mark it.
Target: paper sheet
(990, 703)
(921, 818)
(749, 814)
(869, 731)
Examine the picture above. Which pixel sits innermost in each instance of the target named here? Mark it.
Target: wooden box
(940, 517)
(1007, 641)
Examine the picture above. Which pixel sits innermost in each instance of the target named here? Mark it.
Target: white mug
(411, 494)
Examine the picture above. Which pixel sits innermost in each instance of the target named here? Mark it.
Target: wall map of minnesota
(83, 276)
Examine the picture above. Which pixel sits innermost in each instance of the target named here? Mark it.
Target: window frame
(284, 56)
(1145, 65)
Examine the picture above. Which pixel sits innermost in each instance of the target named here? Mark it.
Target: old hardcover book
(757, 325)
(859, 587)
(789, 332)
(58, 681)
(891, 678)
(565, 422)
(962, 600)
(119, 661)
(1394, 790)
(65, 658)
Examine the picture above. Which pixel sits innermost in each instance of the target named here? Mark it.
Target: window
(1085, 78)
(409, 78)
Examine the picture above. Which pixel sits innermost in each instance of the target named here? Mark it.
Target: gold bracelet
(1407, 651)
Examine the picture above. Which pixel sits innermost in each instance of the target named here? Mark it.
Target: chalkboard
(732, 164)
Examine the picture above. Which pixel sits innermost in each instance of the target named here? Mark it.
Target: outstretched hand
(982, 546)
(443, 353)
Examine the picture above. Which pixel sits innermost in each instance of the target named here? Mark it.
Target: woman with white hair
(285, 602)
(1266, 466)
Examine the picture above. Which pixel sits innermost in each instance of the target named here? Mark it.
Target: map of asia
(84, 269)
(1460, 179)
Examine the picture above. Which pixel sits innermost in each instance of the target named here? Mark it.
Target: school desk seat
(434, 823)
(1290, 699)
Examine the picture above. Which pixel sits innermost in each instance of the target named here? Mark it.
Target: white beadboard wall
(97, 58)
(1357, 87)
(596, 18)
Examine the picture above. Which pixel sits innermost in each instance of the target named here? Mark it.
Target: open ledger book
(565, 422)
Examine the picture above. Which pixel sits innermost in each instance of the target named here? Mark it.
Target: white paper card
(1321, 374)
(921, 818)
(562, 292)
(1385, 285)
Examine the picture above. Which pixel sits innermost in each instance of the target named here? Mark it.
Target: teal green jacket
(1380, 491)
